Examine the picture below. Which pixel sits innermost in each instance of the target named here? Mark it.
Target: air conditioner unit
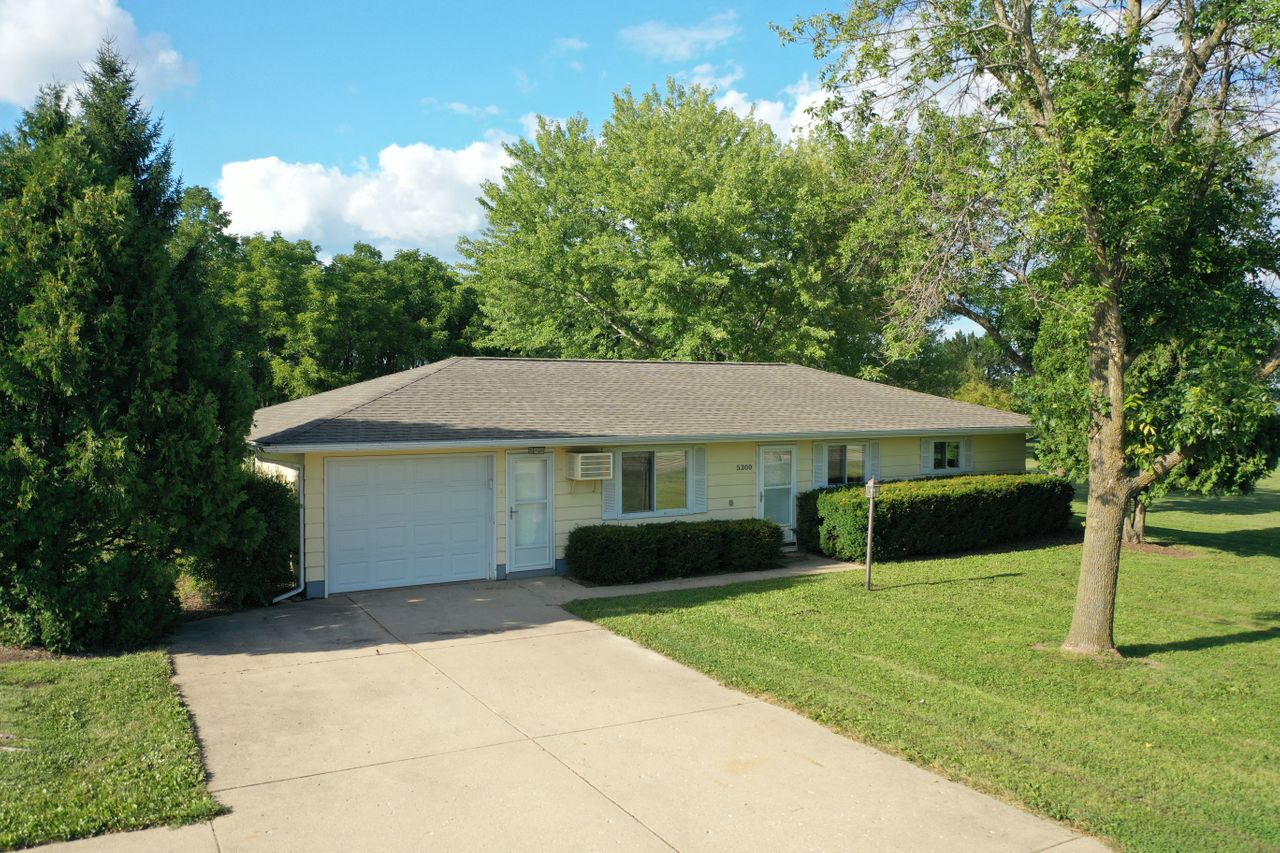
(590, 466)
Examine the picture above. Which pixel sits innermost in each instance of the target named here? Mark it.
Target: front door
(530, 535)
(777, 466)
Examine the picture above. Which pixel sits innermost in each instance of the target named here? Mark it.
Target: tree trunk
(1093, 622)
(1135, 524)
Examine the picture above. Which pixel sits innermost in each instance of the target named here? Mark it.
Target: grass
(952, 663)
(95, 745)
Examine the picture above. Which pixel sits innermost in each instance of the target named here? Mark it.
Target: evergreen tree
(122, 410)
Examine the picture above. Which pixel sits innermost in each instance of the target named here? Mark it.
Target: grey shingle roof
(547, 400)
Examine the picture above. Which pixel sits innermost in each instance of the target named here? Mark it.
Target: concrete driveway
(484, 717)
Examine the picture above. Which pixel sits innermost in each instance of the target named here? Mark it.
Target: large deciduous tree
(680, 231)
(304, 326)
(122, 412)
(1091, 183)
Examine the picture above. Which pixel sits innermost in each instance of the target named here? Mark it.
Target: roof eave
(615, 440)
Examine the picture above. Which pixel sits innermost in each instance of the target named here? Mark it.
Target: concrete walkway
(484, 717)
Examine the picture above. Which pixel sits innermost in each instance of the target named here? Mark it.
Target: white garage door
(399, 521)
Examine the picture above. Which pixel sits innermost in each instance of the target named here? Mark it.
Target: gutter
(302, 531)
(617, 441)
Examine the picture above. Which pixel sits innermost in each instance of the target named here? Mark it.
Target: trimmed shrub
(609, 554)
(749, 545)
(614, 553)
(934, 516)
(256, 562)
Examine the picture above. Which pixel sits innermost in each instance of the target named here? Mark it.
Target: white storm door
(777, 479)
(530, 517)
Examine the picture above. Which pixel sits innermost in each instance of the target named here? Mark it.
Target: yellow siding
(1000, 454)
(275, 467)
(731, 491)
(577, 501)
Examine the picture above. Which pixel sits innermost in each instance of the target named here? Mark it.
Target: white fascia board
(618, 441)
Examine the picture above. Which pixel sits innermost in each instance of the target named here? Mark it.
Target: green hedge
(933, 516)
(256, 562)
(614, 553)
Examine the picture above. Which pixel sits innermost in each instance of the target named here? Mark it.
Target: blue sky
(378, 121)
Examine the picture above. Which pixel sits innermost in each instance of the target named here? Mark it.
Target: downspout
(302, 533)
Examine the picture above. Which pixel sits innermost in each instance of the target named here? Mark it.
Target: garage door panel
(469, 470)
(471, 503)
(389, 537)
(390, 507)
(432, 535)
(430, 504)
(348, 508)
(408, 520)
(348, 542)
(465, 532)
(349, 478)
(387, 474)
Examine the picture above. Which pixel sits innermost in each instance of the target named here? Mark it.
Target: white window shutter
(699, 479)
(926, 456)
(873, 460)
(966, 454)
(609, 489)
(819, 466)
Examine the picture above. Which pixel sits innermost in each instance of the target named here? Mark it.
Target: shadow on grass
(1242, 543)
(1257, 503)
(1142, 650)
(876, 586)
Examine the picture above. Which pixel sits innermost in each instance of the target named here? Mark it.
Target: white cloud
(660, 40)
(714, 76)
(417, 196)
(569, 45)
(51, 40)
(523, 83)
(788, 116)
(461, 108)
(472, 110)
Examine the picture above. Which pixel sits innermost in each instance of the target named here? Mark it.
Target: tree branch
(1194, 62)
(1268, 368)
(634, 336)
(956, 306)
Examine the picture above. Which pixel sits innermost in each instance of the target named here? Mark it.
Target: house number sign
(745, 467)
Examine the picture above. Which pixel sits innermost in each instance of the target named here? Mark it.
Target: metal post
(873, 489)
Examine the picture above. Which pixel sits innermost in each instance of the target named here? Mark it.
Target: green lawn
(93, 745)
(951, 663)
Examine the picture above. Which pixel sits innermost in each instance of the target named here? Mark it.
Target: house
(474, 468)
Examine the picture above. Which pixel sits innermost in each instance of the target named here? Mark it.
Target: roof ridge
(629, 361)
(439, 366)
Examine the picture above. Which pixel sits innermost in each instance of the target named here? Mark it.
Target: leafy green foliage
(966, 367)
(256, 562)
(940, 664)
(122, 407)
(933, 516)
(101, 745)
(304, 326)
(680, 231)
(614, 553)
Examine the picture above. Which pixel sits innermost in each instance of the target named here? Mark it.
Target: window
(946, 455)
(846, 463)
(655, 481)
